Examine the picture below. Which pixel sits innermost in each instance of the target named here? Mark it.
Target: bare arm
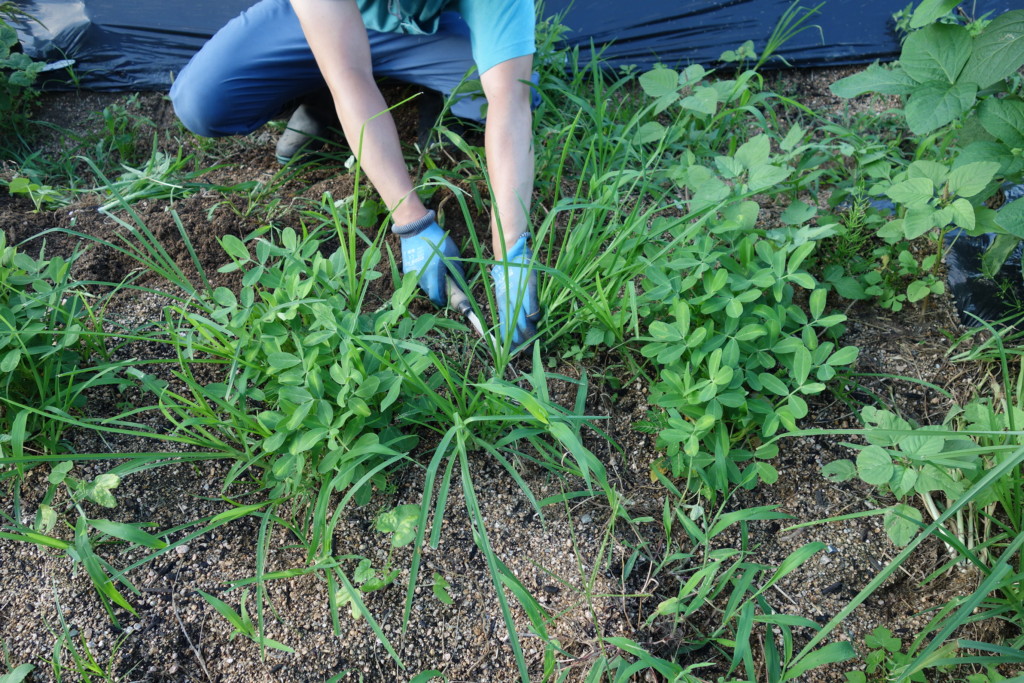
(508, 143)
(337, 36)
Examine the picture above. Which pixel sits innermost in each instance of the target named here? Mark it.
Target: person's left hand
(515, 289)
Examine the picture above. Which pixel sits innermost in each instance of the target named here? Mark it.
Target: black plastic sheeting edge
(977, 296)
(119, 45)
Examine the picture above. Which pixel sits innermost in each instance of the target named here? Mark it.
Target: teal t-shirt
(499, 30)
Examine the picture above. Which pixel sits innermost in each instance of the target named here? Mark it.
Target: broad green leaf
(913, 192)
(918, 221)
(998, 52)
(234, 247)
(793, 137)
(767, 176)
(970, 179)
(874, 466)
(997, 253)
(1003, 119)
(917, 290)
(1011, 218)
(930, 10)
(839, 470)
(10, 361)
(936, 53)
(754, 152)
(652, 131)
(901, 530)
(963, 214)
(876, 78)
(704, 100)
(659, 82)
(932, 170)
(798, 212)
(935, 104)
(280, 360)
(903, 481)
(843, 356)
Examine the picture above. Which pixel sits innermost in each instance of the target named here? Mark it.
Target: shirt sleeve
(499, 30)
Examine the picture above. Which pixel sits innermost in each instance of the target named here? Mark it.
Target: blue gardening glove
(515, 288)
(428, 250)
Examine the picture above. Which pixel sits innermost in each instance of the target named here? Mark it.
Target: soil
(583, 570)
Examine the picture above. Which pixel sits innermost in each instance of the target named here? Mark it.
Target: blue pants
(260, 63)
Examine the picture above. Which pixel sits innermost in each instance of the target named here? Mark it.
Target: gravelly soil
(572, 559)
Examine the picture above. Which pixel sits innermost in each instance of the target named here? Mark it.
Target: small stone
(181, 549)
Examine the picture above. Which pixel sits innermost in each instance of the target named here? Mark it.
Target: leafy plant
(47, 342)
(950, 77)
(18, 73)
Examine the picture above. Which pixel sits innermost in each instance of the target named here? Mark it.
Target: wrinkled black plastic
(140, 44)
(977, 296)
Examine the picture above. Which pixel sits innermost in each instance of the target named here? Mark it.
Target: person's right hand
(430, 251)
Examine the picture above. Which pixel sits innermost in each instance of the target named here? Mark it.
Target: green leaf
(767, 176)
(843, 356)
(917, 290)
(280, 360)
(839, 470)
(829, 654)
(652, 131)
(10, 361)
(659, 82)
(234, 247)
(402, 522)
(1011, 218)
(773, 384)
(1003, 119)
(930, 10)
(127, 532)
(876, 78)
(913, 192)
(963, 214)
(793, 137)
(998, 52)
(798, 212)
(441, 589)
(918, 221)
(427, 676)
(997, 253)
(874, 466)
(936, 53)
(18, 674)
(970, 179)
(755, 152)
(935, 104)
(899, 522)
(704, 100)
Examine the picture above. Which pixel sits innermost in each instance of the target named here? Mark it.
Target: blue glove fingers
(429, 251)
(515, 287)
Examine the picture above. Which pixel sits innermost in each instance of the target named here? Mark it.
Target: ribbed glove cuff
(416, 227)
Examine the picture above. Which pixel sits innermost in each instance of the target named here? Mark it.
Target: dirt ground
(571, 558)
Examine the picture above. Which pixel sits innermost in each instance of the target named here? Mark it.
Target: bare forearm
(335, 32)
(509, 146)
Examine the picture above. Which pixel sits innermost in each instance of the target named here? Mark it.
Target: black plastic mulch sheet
(980, 297)
(140, 44)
